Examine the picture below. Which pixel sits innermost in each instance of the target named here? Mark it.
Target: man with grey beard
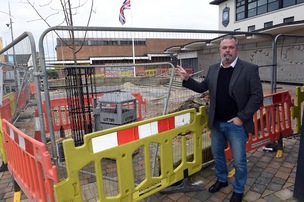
(235, 92)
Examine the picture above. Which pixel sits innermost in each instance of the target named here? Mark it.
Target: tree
(68, 10)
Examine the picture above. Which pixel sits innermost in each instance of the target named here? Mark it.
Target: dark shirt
(226, 107)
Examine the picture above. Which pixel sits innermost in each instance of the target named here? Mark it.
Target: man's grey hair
(231, 37)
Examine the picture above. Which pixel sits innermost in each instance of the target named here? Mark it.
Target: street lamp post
(3, 167)
(14, 54)
(10, 25)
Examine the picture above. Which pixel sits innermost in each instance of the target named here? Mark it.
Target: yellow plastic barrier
(12, 103)
(126, 73)
(296, 109)
(131, 174)
(2, 151)
(150, 72)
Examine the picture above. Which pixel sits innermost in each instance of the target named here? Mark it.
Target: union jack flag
(126, 5)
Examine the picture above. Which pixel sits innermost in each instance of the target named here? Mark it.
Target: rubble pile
(195, 102)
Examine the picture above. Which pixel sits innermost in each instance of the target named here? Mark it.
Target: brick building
(114, 50)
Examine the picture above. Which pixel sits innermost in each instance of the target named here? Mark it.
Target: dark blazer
(245, 88)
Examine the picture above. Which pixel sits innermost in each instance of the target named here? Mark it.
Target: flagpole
(133, 47)
(127, 5)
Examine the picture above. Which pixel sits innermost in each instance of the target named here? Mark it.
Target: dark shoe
(217, 186)
(236, 197)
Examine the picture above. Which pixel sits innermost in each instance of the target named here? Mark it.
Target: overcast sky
(181, 14)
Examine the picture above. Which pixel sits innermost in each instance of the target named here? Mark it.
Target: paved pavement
(270, 179)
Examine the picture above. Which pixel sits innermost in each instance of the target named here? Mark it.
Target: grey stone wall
(290, 59)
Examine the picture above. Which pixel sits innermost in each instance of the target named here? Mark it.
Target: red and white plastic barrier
(271, 122)
(138, 132)
(30, 164)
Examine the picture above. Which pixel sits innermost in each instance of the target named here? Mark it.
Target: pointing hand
(181, 72)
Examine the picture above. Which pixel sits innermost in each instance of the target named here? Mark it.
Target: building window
(273, 5)
(288, 20)
(268, 24)
(251, 28)
(262, 6)
(287, 3)
(240, 16)
(251, 8)
(240, 9)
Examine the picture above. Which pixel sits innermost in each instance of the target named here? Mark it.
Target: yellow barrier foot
(280, 147)
(17, 192)
(185, 186)
(279, 153)
(17, 196)
(231, 173)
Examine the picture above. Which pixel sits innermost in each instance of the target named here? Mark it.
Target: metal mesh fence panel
(140, 62)
(17, 79)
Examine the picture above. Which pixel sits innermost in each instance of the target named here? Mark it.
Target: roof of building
(217, 2)
(21, 59)
(284, 28)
